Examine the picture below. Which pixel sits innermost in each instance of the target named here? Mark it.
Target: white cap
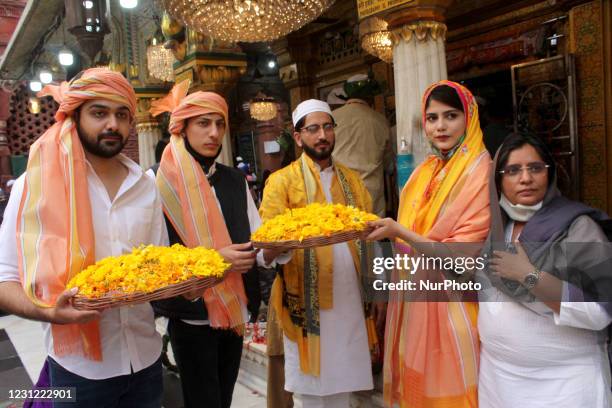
(310, 106)
(357, 78)
(333, 98)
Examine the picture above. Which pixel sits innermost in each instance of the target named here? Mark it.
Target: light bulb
(45, 77)
(35, 86)
(128, 4)
(271, 64)
(65, 57)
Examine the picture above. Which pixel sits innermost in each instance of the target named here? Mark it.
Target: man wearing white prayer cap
(336, 97)
(317, 297)
(363, 137)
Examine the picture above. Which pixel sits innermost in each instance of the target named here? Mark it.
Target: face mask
(518, 212)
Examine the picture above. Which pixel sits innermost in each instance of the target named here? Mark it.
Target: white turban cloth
(310, 106)
(336, 97)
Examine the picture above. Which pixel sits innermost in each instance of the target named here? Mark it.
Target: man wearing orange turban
(207, 204)
(80, 201)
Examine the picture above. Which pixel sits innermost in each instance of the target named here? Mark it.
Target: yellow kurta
(286, 189)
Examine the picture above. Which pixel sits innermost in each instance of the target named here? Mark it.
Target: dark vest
(230, 189)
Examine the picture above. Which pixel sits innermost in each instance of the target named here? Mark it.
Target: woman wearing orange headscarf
(207, 204)
(431, 348)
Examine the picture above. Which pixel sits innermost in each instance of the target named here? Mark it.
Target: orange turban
(182, 106)
(94, 83)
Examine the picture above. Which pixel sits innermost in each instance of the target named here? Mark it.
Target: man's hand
(270, 255)
(64, 312)
(241, 256)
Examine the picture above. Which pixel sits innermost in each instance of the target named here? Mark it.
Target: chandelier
(263, 109)
(160, 61)
(376, 39)
(246, 20)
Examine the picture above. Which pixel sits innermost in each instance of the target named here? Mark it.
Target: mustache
(109, 134)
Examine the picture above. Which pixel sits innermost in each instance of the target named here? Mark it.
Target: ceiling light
(66, 58)
(35, 86)
(45, 77)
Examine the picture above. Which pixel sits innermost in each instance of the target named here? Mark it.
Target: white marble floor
(27, 338)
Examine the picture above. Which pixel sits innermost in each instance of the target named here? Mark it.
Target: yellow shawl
(432, 348)
(296, 305)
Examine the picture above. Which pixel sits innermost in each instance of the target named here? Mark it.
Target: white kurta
(534, 358)
(345, 356)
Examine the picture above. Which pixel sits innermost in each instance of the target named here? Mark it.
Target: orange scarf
(432, 349)
(55, 237)
(189, 202)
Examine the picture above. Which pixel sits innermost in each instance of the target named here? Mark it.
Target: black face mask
(205, 162)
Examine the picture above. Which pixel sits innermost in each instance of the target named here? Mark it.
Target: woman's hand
(511, 266)
(383, 228)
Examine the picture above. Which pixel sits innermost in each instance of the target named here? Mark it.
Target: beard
(314, 154)
(98, 146)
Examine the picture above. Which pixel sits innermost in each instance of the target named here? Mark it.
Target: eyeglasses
(314, 129)
(516, 169)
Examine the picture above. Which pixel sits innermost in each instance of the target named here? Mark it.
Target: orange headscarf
(55, 237)
(189, 202)
(432, 348)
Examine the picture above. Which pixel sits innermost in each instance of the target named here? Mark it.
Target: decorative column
(419, 59)
(149, 133)
(148, 136)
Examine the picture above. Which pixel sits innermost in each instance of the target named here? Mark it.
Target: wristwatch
(532, 279)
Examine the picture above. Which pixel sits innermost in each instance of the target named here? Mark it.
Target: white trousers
(341, 400)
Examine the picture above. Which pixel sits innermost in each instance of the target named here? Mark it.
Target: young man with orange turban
(207, 204)
(80, 201)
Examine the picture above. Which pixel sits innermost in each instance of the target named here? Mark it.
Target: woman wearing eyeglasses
(431, 348)
(542, 335)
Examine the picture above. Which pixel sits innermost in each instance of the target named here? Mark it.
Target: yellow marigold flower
(314, 220)
(147, 269)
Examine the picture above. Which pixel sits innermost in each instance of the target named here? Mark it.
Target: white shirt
(345, 354)
(128, 336)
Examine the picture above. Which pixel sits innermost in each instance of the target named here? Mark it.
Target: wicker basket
(124, 299)
(312, 242)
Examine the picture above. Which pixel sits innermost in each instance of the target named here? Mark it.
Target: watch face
(531, 280)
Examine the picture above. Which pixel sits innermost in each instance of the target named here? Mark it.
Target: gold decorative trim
(147, 126)
(422, 30)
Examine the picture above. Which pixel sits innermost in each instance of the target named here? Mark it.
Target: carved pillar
(149, 132)
(418, 34)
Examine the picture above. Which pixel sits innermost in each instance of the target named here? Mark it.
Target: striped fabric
(55, 237)
(190, 204)
(432, 348)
